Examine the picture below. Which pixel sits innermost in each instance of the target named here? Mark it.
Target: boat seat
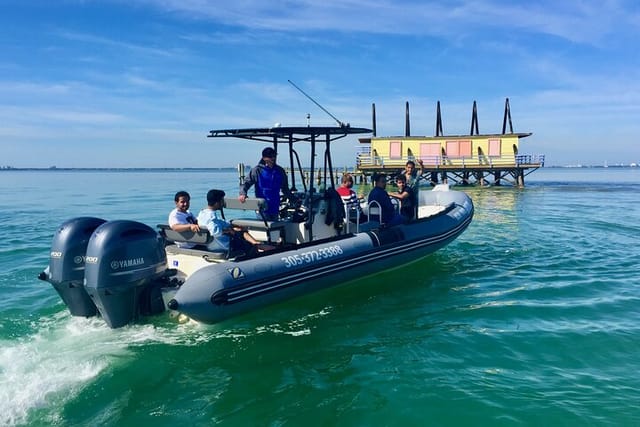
(199, 238)
(202, 237)
(368, 226)
(271, 231)
(198, 251)
(374, 210)
(430, 211)
(351, 215)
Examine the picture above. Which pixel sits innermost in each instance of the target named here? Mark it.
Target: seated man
(225, 236)
(380, 195)
(181, 219)
(349, 197)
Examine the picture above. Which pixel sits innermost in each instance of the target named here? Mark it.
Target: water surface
(529, 318)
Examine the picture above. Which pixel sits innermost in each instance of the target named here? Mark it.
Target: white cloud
(567, 20)
(137, 48)
(568, 68)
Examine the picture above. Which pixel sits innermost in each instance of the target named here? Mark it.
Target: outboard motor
(124, 259)
(67, 264)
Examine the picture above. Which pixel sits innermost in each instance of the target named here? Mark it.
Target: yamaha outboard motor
(124, 258)
(67, 264)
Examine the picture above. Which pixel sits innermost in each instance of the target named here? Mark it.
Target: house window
(495, 147)
(430, 153)
(453, 149)
(395, 150)
(465, 148)
(457, 149)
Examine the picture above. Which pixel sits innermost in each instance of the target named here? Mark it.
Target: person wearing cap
(225, 236)
(379, 195)
(269, 179)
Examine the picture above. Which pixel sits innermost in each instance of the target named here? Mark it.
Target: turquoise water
(529, 318)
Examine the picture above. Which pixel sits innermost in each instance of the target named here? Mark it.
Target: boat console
(258, 226)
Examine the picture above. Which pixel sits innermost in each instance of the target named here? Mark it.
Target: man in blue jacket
(269, 180)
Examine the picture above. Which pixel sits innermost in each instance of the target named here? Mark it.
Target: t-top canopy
(289, 133)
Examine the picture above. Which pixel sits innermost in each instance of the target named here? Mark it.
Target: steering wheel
(292, 207)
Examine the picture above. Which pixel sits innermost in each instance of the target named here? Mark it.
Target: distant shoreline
(57, 169)
(233, 169)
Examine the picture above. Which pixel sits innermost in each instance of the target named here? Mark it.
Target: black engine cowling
(124, 260)
(67, 264)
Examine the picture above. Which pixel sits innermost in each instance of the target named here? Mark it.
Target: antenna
(341, 124)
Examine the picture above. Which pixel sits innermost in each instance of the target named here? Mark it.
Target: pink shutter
(495, 147)
(453, 149)
(465, 149)
(430, 153)
(395, 150)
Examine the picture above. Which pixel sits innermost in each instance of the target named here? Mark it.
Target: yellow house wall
(381, 146)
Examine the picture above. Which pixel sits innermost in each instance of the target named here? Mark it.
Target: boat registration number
(312, 256)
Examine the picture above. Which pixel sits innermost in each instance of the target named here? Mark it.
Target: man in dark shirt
(380, 195)
(406, 196)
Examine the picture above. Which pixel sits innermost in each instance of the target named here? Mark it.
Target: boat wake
(67, 354)
(52, 365)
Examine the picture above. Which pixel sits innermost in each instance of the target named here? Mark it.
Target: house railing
(530, 159)
(365, 158)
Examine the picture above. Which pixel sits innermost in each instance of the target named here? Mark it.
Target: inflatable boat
(122, 270)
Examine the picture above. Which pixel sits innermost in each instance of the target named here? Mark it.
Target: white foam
(51, 367)
(38, 368)
(63, 357)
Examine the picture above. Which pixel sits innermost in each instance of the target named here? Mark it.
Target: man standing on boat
(412, 174)
(269, 180)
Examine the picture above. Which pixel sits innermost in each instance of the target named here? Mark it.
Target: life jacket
(268, 187)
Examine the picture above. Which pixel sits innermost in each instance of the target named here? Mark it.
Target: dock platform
(469, 172)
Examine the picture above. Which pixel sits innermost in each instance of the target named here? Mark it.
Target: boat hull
(221, 291)
(126, 270)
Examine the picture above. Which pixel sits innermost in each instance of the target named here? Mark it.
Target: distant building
(461, 158)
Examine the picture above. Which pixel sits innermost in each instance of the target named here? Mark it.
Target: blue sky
(139, 83)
